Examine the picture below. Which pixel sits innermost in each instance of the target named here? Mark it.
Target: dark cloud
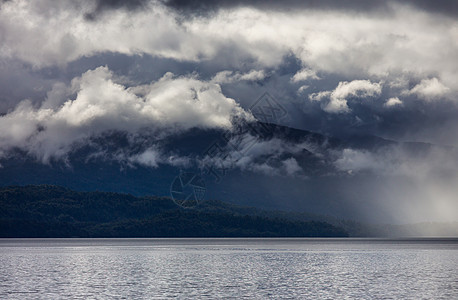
(18, 81)
(447, 7)
(205, 7)
(114, 4)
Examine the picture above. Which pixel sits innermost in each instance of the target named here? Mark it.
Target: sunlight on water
(233, 268)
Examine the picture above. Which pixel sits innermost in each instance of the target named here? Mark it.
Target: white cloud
(102, 104)
(230, 76)
(304, 74)
(338, 98)
(355, 160)
(63, 35)
(150, 157)
(394, 101)
(404, 41)
(253, 75)
(302, 89)
(397, 160)
(273, 157)
(429, 89)
(291, 166)
(357, 88)
(319, 96)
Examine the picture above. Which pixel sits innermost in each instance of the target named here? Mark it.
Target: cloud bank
(103, 104)
(323, 40)
(408, 48)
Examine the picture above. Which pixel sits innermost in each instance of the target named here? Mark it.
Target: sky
(71, 70)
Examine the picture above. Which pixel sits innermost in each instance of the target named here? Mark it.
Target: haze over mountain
(274, 167)
(341, 110)
(52, 211)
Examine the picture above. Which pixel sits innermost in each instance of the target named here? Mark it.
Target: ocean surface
(228, 268)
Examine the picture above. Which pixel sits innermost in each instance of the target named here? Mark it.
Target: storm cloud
(408, 49)
(74, 70)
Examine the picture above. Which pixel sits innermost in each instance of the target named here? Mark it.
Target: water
(229, 268)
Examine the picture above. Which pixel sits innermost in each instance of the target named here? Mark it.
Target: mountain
(52, 211)
(274, 167)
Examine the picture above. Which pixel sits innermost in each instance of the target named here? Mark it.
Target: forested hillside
(51, 211)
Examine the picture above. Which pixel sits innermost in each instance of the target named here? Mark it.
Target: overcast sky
(70, 70)
(388, 68)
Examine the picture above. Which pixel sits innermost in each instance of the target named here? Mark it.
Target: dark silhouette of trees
(52, 211)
